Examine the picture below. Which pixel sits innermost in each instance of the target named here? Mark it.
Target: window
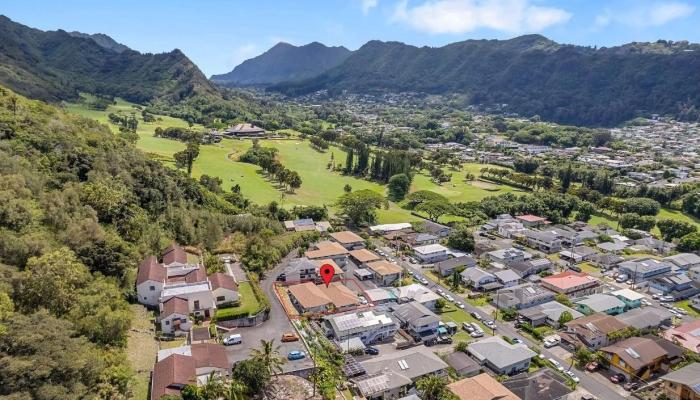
(152, 288)
(196, 304)
(167, 322)
(221, 298)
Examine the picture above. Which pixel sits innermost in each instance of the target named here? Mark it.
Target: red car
(591, 366)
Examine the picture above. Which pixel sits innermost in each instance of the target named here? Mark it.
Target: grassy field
(459, 190)
(685, 304)
(141, 349)
(249, 304)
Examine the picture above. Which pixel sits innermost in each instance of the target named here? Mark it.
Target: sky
(218, 35)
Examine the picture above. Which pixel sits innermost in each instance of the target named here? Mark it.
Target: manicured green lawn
(249, 304)
(454, 314)
(685, 304)
(458, 190)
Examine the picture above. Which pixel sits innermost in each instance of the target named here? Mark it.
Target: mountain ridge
(283, 62)
(532, 74)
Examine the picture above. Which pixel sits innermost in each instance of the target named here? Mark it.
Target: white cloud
(461, 16)
(642, 15)
(243, 52)
(367, 5)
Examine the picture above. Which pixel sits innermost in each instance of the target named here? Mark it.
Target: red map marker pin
(327, 272)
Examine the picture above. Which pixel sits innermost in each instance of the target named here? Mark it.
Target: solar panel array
(352, 368)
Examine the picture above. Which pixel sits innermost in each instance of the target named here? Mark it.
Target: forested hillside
(79, 208)
(532, 75)
(284, 62)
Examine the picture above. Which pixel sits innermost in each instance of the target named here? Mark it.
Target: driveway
(273, 328)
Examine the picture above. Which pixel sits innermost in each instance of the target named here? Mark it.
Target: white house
(150, 281)
(199, 296)
(174, 316)
(224, 288)
(431, 253)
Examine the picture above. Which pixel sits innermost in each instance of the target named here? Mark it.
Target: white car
(560, 368)
(449, 298)
(554, 362)
(573, 376)
(440, 292)
(460, 305)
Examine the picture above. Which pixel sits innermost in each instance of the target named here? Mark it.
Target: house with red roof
(224, 288)
(571, 283)
(175, 316)
(687, 335)
(532, 221)
(187, 365)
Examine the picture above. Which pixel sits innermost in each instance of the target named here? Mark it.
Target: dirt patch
(142, 349)
(485, 185)
(290, 387)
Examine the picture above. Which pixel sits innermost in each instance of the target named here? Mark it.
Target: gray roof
(688, 376)
(536, 264)
(414, 313)
(499, 352)
(507, 275)
(526, 292)
(299, 264)
(684, 259)
(644, 265)
(612, 246)
(455, 262)
(410, 363)
(599, 302)
(647, 317)
(551, 310)
(542, 385)
(462, 363)
(424, 237)
(474, 274)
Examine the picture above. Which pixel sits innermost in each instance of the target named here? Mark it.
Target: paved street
(273, 328)
(588, 382)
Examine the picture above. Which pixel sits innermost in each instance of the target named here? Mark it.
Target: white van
(236, 338)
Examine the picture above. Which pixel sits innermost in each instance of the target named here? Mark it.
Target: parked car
(655, 296)
(667, 298)
(554, 362)
(490, 324)
(666, 305)
(573, 376)
(575, 268)
(516, 340)
(440, 292)
(373, 351)
(477, 334)
(617, 378)
(295, 355)
(621, 278)
(460, 305)
(230, 340)
(476, 315)
(630, 282)
(467, 327)
(630, 386)
(289, 337)
(550, 343)
(444, 340)
(592, 366)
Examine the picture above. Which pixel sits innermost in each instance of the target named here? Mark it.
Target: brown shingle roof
(195, 276)
(171, 374)
(210, 355)
(636, 351)
(384, 267)
(325, 250)
(603, 323)
(175, 305)
(312, 296)
(481, 387)
(346, 237)
(364, 255)
(150, 270)
(174, 253)
(220, 280)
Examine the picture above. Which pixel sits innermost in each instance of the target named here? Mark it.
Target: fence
(251, 320)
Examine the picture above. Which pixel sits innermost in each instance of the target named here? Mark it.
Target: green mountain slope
(56, 65)
(284, 62)
(103, 40)
(532, 74)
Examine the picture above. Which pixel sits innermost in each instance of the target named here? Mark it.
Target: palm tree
(234, 390)
(432, 387)
(269, 355)
(213, 389)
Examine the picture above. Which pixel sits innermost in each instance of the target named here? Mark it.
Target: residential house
(694, 274)
(547, 313)
(421, 239)
(369, 325)
(363, 256)
(224, 288)
(380, 296)
(606, 260)
(199, 296)
(187, 365)
(545, 241)
(593, 331)
(650, 244)
(326, 249)
(682, 384)
(616, 246)
(522, 296)
(150, 281)
(599, 303)
(481, 387)
(479, 279)
(641, 357)
(299, 270)
(578, 254)
(573, 237)
(431, 253)
(436, 229)
(678, 286)
(417, 320)
(306, 224)
(511, 229)
(463, 365)
(390, 375)
(631, 298)
(646, 318)
(415, 292)
(508, 256)
(386, 228)
(500, 356)
(531, 267)
(544, 384)
(447, 267)
(687, 335)
(385, 272)
(571, 283)
(308, 297)
(507, 277)
(532, 221)
(644, 268)
(175, 317)
(684, 261)
(349, 240)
